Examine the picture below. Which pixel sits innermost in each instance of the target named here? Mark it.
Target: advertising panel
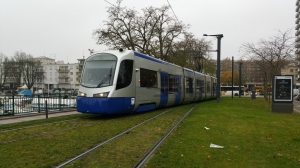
(283, 88)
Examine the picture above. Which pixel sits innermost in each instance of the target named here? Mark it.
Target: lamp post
(219, 37)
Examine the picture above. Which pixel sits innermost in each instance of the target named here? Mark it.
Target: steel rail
(104, 142)
(152, 150)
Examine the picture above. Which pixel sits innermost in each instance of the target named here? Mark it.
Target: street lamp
(219, 36)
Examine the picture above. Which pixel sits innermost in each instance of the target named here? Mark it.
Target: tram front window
(99, 71)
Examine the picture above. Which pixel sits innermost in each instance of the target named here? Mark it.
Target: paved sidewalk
(35, 117)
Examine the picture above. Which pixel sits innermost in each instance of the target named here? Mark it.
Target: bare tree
(30, 69)
(192, 53)
(271, 55)
(167, 30)
(119, 29)
(152, 33)
(4, 74)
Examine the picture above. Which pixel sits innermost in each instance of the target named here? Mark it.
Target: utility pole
(219, 37)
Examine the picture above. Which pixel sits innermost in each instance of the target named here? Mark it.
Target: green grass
(251, 134)
(52, 144)
(127, 150)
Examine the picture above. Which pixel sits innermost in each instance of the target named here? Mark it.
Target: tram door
(164, 85)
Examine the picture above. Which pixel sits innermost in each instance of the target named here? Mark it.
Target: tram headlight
(104, 94)
(81, 94)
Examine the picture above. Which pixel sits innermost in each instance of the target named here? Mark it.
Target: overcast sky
(62, 29)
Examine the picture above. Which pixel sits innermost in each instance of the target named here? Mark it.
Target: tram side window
(202, 90)
(125, 74)
(172, 84)
(214, 88)
(178, 85)
(208, 86)
(188, 85)
(164, 84)
(148, 78)
(199, 87)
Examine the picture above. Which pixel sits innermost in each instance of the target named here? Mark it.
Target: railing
(62, 70)
(14, 105)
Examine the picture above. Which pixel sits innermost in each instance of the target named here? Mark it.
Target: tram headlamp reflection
(104, 94)
(81, 94)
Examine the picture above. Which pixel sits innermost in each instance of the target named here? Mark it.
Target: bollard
(39, 110)
(253, 95)
(59, 102)
(13, 105)
(46, 109)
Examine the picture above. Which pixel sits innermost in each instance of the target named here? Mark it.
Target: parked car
(40, 91)
(56, 92)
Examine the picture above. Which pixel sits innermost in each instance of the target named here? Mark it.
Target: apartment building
(57, 75)
(80, 68)
(297, 34)
(291, 69)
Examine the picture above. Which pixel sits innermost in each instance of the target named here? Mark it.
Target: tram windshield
(99, 71)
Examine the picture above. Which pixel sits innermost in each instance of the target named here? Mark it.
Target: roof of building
(43, 57)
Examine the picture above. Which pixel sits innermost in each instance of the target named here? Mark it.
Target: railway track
(146, 155)
(152, 150)
(86, 136)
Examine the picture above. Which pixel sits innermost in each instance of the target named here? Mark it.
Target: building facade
(291, 69)
(297, 35)
(61, 76)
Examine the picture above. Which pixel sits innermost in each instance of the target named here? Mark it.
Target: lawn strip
(251, 134)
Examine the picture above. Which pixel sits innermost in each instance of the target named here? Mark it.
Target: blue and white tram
(115, 82)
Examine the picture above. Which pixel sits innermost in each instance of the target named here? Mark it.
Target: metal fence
(19, 104)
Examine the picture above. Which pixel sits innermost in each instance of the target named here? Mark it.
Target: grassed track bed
(47, 145)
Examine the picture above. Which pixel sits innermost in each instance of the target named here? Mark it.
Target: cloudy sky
(62, 29)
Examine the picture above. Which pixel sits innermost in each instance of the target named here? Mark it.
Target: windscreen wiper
(104, 79)
(108, 76)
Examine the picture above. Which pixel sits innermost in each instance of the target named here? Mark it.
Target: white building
(57, 75)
